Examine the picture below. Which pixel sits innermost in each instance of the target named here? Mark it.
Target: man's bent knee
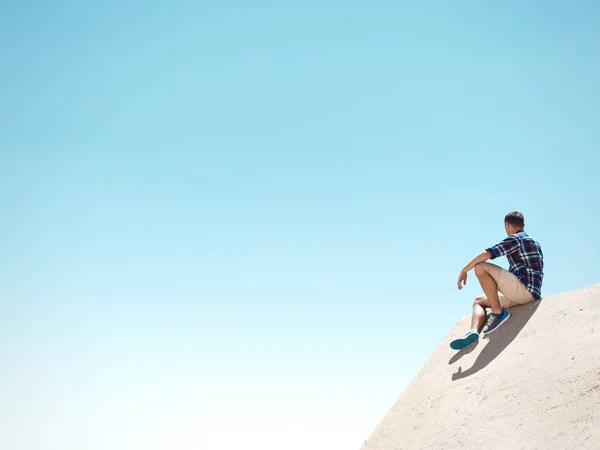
(487, 268)
(481, 268)
(481, 300)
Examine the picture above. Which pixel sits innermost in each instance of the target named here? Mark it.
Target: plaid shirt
(525, 258)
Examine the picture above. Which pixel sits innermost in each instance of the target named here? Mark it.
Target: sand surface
(533, 384)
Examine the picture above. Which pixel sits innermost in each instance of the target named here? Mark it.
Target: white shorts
(511, 292)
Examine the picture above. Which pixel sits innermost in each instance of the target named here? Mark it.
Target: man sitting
(503, 289)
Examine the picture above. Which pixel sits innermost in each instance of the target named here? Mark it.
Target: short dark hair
(516, 219)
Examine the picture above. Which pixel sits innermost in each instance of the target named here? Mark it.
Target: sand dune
(534, 384)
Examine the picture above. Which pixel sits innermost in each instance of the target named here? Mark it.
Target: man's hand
(462, 279)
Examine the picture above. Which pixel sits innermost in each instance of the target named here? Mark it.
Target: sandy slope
(534, 384)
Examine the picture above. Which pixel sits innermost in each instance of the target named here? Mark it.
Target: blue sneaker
(468, 339)
(495, 321)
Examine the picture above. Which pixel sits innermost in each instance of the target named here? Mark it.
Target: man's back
(526, 260)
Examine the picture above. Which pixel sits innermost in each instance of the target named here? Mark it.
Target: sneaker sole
(499, 325)
(459, 344)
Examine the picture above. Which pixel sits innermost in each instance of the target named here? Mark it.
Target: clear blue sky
(232, 226)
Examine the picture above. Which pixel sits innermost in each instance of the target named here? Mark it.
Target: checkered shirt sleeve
(509, 245)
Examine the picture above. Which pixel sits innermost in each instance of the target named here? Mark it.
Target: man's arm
(482, 257)
(462, 277)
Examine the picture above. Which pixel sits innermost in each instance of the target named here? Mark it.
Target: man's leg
(489, 275)
(478, 320)
(479, 310)
(479, 313)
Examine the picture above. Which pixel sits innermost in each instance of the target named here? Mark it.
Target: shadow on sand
(498, 341)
